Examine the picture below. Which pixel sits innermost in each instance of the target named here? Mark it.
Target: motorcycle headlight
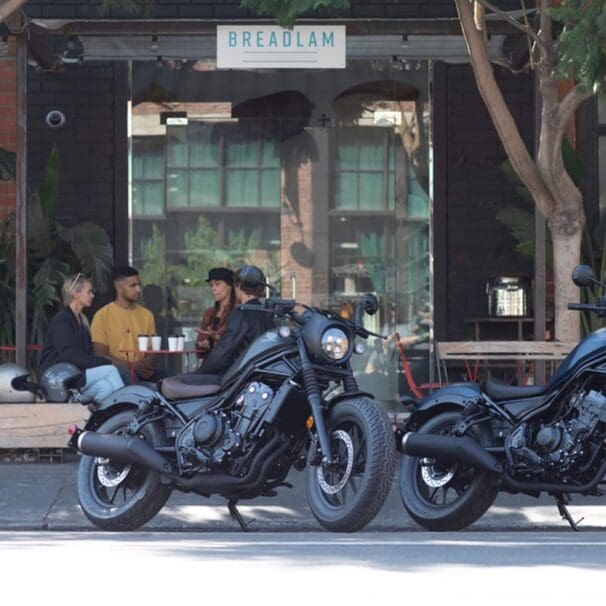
(335, 343)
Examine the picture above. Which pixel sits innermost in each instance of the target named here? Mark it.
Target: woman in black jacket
(68, 340)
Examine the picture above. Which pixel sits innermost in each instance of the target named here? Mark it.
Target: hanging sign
(303, 47)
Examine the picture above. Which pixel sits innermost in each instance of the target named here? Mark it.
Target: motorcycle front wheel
(441, 496)
(118, 496)
(346, 496)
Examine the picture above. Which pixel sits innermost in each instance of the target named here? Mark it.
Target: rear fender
(129, 397)
(452, 397)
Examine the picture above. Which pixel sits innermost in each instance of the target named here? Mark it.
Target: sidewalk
(43, 497)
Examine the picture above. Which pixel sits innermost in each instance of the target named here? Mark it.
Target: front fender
(131, 396)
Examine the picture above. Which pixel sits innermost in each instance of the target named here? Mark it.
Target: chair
(418, 390)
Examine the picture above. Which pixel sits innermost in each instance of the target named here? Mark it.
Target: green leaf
(46, 283)
(8, 165)
(91, 246)
(286, 12)
(50, 185)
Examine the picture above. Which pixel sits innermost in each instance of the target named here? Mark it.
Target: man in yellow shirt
(116, 326)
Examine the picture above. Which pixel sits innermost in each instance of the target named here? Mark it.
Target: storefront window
(325, 176)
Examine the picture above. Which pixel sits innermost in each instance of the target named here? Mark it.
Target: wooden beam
(39, 425)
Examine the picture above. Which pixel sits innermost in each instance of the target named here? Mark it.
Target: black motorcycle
(466, 442)
(241, 438)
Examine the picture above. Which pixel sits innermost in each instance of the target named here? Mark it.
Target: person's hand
(144, 368)
(203, 345)
(206, 332)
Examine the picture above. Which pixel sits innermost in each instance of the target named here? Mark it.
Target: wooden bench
(39, 425)
(500, 350)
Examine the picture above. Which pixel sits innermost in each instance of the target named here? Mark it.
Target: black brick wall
(478, 246)
(87, 144)
(231, 9)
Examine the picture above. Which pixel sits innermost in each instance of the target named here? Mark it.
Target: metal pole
(21, 205)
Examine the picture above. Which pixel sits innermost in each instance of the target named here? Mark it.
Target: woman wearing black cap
(214, 320)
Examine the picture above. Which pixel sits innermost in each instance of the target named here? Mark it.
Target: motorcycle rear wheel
(346, 496)
(444, 497)
(119, 497)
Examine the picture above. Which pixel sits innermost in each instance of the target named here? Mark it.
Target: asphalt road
(302, 568)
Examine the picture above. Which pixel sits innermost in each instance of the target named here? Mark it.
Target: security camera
(55, 119)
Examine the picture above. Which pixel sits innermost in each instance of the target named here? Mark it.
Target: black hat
(221, 273)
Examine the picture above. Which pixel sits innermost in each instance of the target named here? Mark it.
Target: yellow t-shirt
(118, 328)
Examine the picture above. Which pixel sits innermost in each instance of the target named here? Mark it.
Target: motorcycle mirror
(370, 304)
(582, 276)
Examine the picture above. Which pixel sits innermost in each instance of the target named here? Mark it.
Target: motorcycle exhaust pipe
(450, 448)
(131, 449)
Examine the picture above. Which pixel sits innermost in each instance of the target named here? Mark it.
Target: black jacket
(243, 327)
(68, 341)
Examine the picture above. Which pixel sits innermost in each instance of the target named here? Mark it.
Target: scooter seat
(498, 390)
(174, 389)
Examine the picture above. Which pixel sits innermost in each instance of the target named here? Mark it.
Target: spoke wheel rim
(340, 484)
(116, 484)
(442, 486)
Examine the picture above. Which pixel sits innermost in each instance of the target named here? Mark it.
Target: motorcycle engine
(207, 441)
(560, 445)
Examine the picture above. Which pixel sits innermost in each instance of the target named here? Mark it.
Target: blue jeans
(100, 382)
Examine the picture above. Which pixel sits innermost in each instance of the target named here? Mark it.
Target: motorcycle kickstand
(562, 501)
(236, 515)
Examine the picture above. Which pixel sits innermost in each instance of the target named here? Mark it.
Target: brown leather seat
(174, 389)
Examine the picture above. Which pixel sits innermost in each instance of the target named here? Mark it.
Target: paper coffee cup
(180, 342)
(156, 342)
(173, 342)
(143, 342)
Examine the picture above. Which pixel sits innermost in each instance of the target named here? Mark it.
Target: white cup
(180, 342)
(156, 342)
(173, 342)
(143, 342)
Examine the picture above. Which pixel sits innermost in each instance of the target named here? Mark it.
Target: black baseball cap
(221, 273)
(251, 276)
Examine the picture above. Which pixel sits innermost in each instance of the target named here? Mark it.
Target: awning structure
(447, 48)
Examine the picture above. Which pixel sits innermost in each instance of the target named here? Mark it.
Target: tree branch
(511, 20)
(499, 111)
(569, 105)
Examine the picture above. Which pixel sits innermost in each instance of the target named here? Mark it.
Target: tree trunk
(566, 254)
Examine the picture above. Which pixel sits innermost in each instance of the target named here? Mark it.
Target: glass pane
(256, 178)
(137, 198)
(137, 166)
(177, 154)
(346, 191)
(601, 109)
(242, 187)
(269, 154)
(203, 151)
(372, 154)
(347, 154)
(270, 187)
(154, 198)
(153, 166)
(372, 191)
(177, 188)
(242, 153)
(204, 188)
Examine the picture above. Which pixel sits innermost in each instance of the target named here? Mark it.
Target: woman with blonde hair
(68, 340)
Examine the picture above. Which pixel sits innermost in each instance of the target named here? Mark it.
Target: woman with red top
(213, 325)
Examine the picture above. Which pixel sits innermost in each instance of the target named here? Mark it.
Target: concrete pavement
(35, 496)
